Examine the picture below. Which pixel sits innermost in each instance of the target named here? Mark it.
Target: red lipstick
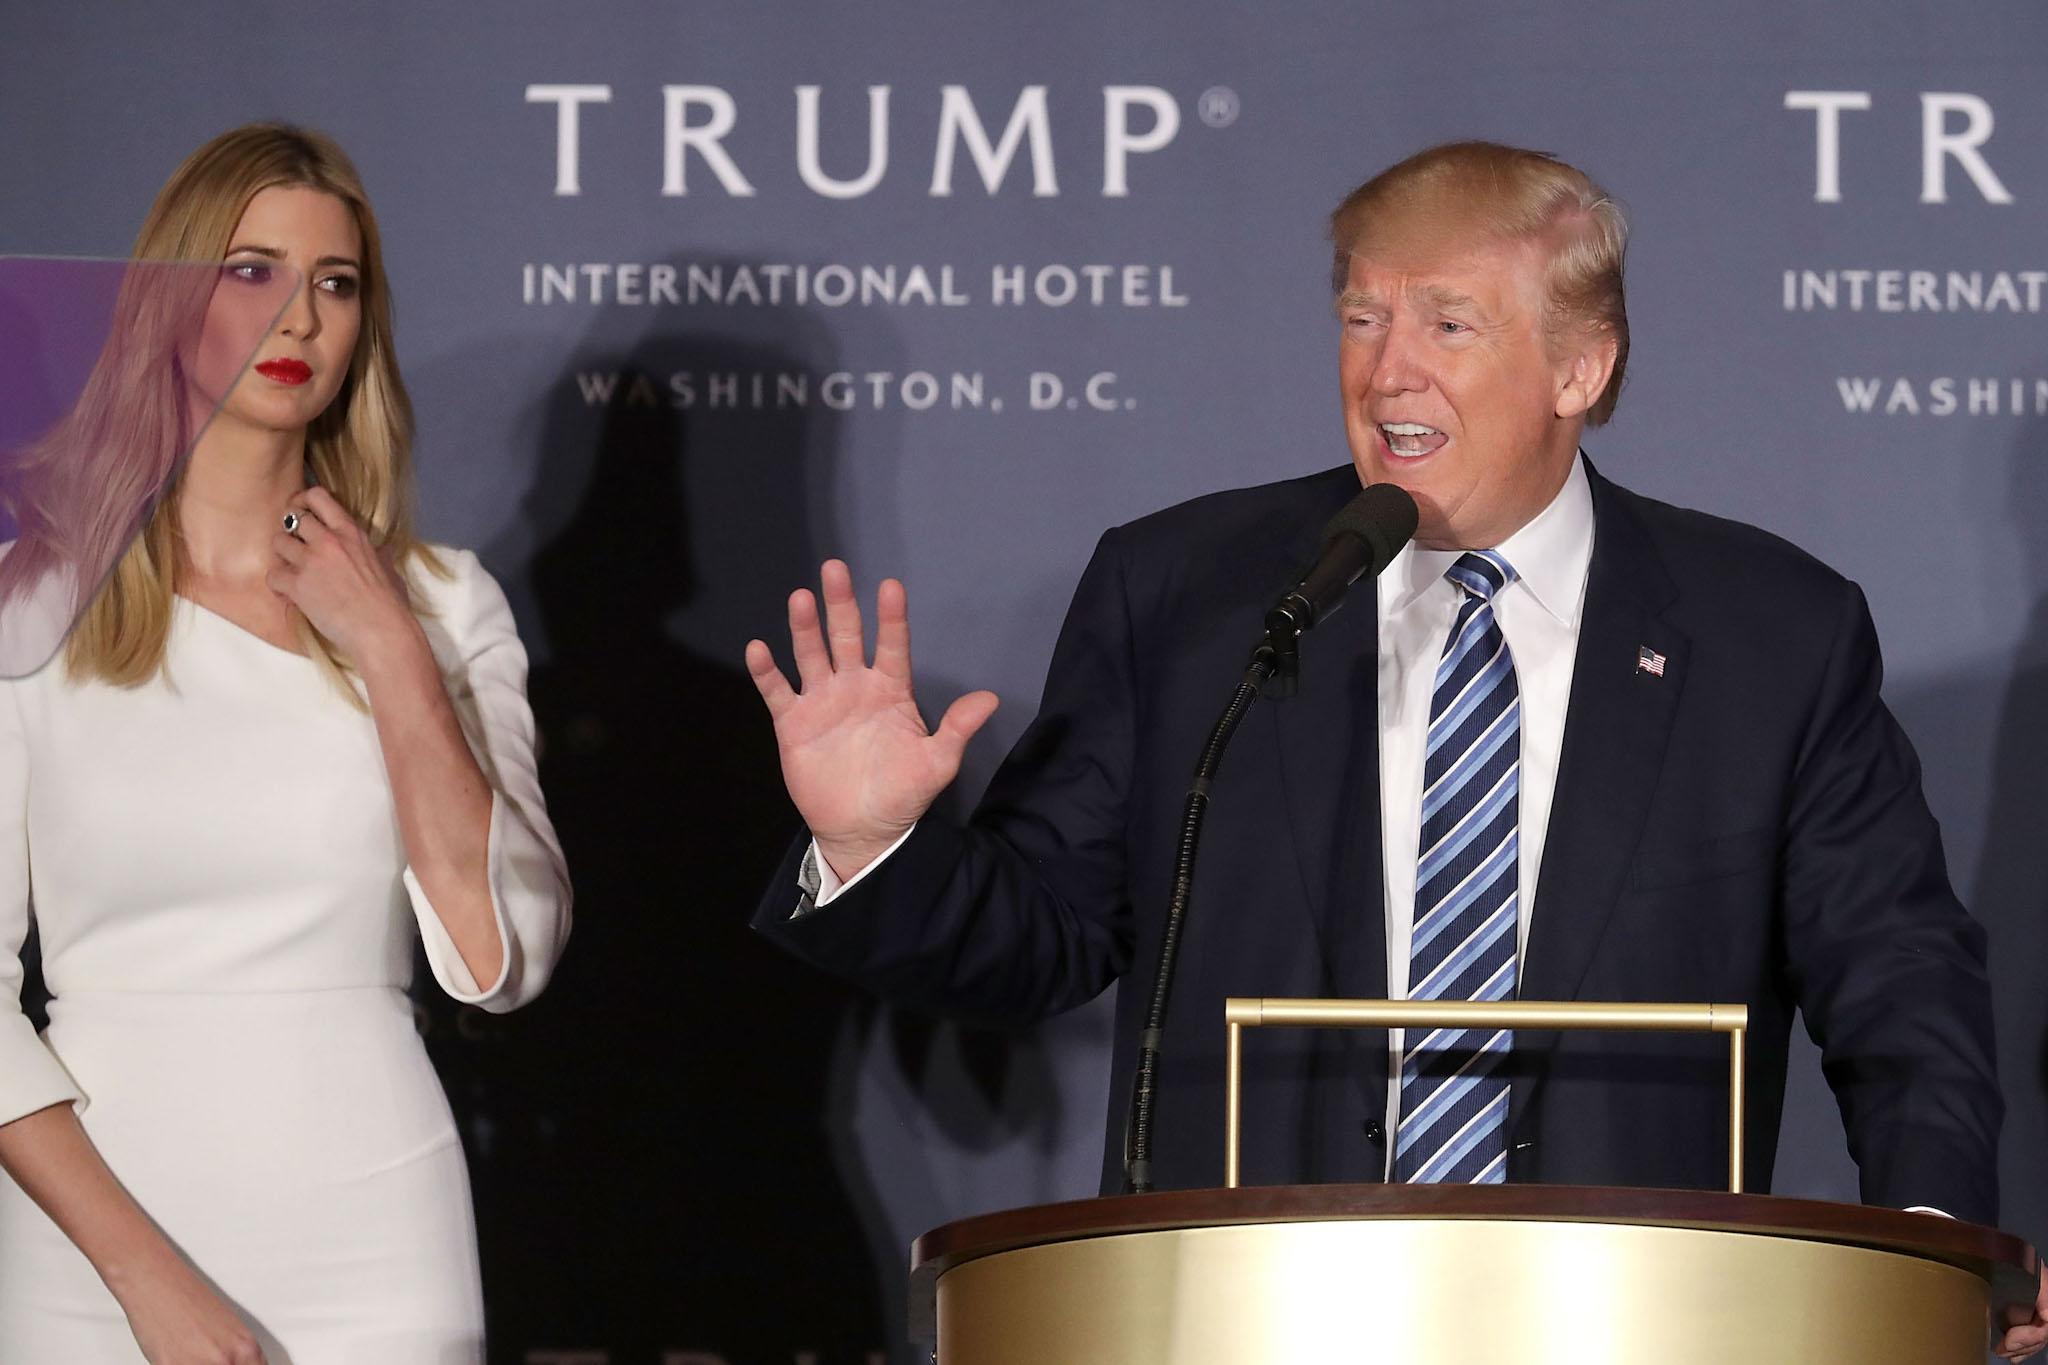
(286, 371)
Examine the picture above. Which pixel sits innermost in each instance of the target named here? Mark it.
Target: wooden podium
(1534, 1274)
(1549, 1274)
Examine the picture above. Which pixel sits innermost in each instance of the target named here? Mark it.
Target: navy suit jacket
(1747, 828)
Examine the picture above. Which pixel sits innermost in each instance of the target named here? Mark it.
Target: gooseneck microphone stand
(1364, 537)
(1270, 669)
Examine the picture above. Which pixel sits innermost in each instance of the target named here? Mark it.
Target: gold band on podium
(1243, 1012)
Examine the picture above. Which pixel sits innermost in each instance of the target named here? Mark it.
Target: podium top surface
(1997, 1256)
(1132, 1244)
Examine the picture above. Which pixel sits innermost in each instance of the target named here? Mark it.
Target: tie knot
(1481, 573)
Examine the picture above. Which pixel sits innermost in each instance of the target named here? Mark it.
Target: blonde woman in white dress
(286, 740)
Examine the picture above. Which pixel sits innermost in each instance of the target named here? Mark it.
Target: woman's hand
(178, 1320)
(176, 1317)
(339, 581)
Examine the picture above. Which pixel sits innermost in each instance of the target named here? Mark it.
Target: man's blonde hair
(1489, 191)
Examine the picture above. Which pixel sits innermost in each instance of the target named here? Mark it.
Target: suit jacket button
(1374, 1133)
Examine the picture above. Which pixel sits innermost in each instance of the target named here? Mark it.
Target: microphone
(1364, 537)
(1367, 534)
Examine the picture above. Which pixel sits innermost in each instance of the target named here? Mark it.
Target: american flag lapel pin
(1649, 661)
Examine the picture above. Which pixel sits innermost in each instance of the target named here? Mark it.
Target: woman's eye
(249, 272)
(341, 286)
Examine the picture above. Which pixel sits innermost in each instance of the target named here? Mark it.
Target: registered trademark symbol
(1218, 106)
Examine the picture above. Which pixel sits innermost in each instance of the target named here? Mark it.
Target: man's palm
(857, 758)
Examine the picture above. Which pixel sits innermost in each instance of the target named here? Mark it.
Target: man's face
(1452, 390)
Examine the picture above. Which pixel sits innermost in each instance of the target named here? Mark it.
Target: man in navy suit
(1587, 746)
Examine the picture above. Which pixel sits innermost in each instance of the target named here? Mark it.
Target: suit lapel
(1617, 724)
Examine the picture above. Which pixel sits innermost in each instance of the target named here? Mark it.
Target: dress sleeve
(484, 667)
(31, 1077)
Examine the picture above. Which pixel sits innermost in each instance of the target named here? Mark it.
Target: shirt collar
(1551, 554)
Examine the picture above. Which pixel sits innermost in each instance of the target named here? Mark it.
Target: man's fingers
(892, 631)
(2022, 1342)
(768, 680)
(963, 718)
(2025, 1337)
(806, 641)
(842, 616)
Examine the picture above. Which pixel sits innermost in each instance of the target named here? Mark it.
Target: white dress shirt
(1539, 615)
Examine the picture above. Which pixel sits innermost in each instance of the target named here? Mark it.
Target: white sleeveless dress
(227, 930)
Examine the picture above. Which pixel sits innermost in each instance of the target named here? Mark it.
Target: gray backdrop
(1838, 291)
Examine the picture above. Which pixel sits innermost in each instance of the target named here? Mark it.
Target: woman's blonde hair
(81, 484)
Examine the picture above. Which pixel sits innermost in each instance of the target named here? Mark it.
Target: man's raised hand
(856, 756)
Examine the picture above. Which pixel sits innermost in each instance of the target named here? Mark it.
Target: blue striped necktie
(1454, 1093)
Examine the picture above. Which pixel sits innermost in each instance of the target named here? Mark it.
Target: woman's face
(296, 249)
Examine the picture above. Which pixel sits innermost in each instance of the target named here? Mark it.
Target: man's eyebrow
(1449, 298)
(1437, 296)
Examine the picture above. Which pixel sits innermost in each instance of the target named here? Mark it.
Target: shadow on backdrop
(2009, 891)
(691, 1142)
(1984, 736)
(653, 1144)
